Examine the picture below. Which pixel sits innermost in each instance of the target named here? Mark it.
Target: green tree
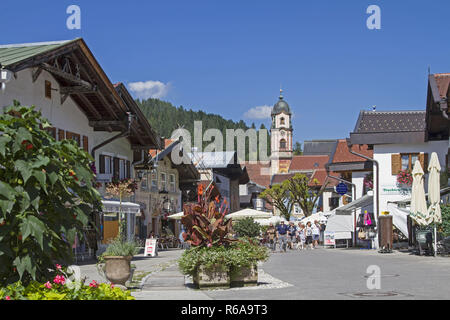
(298, 149)
(247, 227)
(46, 196)
(278, 196)
(304, 192)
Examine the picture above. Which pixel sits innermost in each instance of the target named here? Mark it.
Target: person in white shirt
(301, 236)
(308, 235)
(315, 233)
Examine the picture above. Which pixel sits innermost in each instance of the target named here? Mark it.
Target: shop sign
(394, 190)
(329, 239)
(150, 247)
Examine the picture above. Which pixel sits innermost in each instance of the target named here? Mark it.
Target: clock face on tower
(283, 133)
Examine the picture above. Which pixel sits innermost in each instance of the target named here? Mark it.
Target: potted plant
(115, 262)
(244, 262)
(209, 235)
(404, 179)
(208, 266)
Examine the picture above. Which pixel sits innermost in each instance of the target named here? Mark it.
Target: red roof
(305, 163)
(259, 173)
(167, 142)
(343, 155)
(443, 81)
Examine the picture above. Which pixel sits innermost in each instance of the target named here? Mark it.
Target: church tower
(281, 137)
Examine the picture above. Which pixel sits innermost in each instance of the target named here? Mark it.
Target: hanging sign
(342, 188)
(150, 247)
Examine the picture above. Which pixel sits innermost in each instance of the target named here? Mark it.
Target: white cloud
(259, 113)
(149, 89)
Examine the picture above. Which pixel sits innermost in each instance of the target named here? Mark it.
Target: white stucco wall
(68, 116)
(383, 153)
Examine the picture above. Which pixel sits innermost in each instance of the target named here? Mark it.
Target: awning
(125, 207)
(362, 202)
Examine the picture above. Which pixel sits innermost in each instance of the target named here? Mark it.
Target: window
(408, 160)
(154, 178)
(48, 89)
(105, 164)
(282, 144)
(122, 169)
(172, 182)
(162, 187)
(144, 181)
(282, 121)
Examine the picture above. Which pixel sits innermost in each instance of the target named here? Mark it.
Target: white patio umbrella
(319, 216)
(249, 213)
(274, 220)
(434, 194)
(419, 210)
(176, 216)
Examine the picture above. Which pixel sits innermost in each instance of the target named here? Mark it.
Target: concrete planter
(215, 277)
(244, 276)
(118, 269)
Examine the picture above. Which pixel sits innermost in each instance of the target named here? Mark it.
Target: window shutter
(116, 169)
(102, 163)
(396, 163)
(423, 158)
(128, 170)
(61, 135)
(85, 143)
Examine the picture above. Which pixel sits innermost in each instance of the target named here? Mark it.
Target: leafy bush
(445, 226)
(121, 248)
(247, 228)
(46, 196)
(243, 253)
(205, 223)
(63, 287)
(57, 291)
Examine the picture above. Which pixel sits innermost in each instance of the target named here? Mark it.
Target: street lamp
(5, 76)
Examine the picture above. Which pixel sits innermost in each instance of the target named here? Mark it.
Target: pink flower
(7, 298)
(112, 285)
(93, 284)
(58, 267)
(48, 285)
(59, 280)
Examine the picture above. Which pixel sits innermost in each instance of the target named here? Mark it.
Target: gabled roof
(389, 127)
(438, 127)
(13, 54)
(81, 77)
(343, 155)
(302, 163)
(319, 147)
(259, 173)
(212, 160)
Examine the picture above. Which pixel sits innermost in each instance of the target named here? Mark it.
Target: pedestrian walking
(301, 236)
(292, 235)
(271, 235)
(282, 231)
(308, 235)
(315, 233)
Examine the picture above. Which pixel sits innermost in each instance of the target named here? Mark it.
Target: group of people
(290, 236)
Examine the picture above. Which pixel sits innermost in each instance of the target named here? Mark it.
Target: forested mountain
(165, 118)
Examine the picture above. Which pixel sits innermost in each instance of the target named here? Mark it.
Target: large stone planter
(244, 276)
(216, 277)
(118, 269)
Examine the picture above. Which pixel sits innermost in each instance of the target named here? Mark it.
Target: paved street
(341, 274)
(311, 274)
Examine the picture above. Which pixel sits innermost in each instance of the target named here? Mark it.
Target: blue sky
(228, 57)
